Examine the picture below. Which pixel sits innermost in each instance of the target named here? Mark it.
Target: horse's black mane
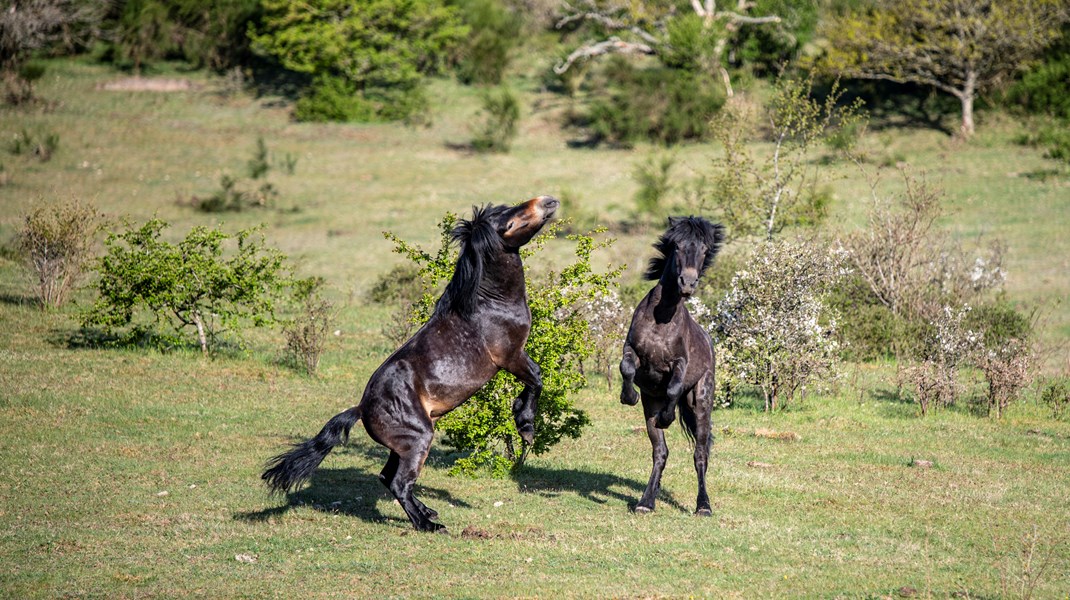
(682, 229)
(478, 239)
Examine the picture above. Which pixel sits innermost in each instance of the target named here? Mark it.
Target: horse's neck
(503, 279)
(665, 302)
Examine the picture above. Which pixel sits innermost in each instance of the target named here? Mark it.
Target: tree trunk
(200, 332)
(969, 91)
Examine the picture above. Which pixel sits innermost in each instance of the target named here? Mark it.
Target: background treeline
(654, 71)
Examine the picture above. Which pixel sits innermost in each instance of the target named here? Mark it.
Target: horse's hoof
(432, 527)
(643, 510)
(663, 422)
(703, 512)
(627, 400)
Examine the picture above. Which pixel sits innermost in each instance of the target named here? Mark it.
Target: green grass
(129, 473)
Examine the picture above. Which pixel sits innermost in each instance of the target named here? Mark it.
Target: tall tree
(960, 47)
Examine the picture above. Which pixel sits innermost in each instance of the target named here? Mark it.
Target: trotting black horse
(479, 326)
(668, 355)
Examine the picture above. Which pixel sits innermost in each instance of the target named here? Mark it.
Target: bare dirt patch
(140, 84)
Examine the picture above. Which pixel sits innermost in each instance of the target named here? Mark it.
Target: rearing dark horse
(479, 326)
(668, 355)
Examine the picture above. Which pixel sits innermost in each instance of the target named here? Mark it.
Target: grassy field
(132, 474)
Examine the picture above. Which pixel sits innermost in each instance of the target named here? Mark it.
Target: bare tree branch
(613, 45)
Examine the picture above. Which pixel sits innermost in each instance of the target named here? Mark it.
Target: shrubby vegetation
(189, 285)
(497, 128)
(560, 340)
(366, 60)
(57, 245)
(761, 195)
(773, 329)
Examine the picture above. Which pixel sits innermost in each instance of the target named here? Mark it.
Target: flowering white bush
(608, 322)
(773, 328)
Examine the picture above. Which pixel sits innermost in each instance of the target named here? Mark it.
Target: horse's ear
(674, 220)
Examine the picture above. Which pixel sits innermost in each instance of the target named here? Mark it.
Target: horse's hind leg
(409, 442)
(628, 365)
(387, 477)
(660, 455)
(696, 417)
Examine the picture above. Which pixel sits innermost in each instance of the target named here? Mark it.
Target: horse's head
(686, 250)
(491, 230)
(518, 224)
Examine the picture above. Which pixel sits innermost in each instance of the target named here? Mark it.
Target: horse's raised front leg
(660, 453)
(674, 392)
(524, 406)
(628, 365)
(701, 406)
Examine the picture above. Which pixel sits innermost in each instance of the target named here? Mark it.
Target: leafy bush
(774, 327)
(188, 285)
(501, 111)
(485, 53)
(761, 195)
(869, 330)
(1056, 395)
(657, 104)
(366, 59)
(57, 243)
(560, 340)
(207, 33)
(1042, 89)
(307, 332)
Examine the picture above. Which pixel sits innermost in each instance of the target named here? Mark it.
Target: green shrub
(485, 54)
(188, 285)
(868, 329)
(207, 33)
(501, 112)
(663, 105)
(653, 177)
(366, 59)
(1056, 395)
(559, 341)
(1000, 321)
(57, 244)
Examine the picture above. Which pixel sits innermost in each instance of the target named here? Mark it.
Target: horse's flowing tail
(289, 470)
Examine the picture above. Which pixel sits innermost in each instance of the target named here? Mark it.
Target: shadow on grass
(20, 300)
(597, 487)
(350, 491)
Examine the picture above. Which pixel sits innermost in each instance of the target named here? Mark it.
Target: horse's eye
(508, 226)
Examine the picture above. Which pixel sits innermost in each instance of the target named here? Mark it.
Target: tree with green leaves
(367, 59)
(761, 194)
(959, 47)
(192, 284)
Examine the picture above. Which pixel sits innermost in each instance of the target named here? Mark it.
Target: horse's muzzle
(547, 206)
